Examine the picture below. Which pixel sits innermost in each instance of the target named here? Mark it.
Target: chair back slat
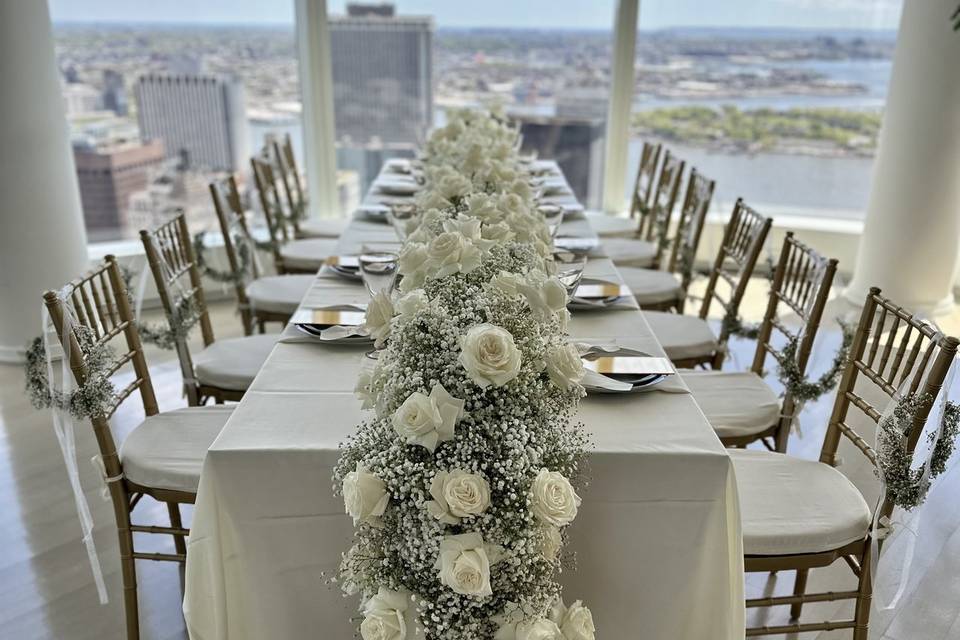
(743, 239)
(291, 162)
(113, 317)
(801, 283)
(906, 372)
(283, 171)
(664, 200)
(233, 228)
(170, 255)
(272, 209)
(693, 213)
(644, 183)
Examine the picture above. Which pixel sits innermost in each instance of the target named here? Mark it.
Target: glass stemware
(570, 269)
(403, 218)
(379, 271)
(553, 216)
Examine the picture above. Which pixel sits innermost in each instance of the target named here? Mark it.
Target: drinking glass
(553, 216)
(570, 269)
(379, 271)
(403, 217)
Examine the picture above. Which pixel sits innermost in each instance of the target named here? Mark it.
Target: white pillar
(43, 243)
(911, 239)
(316, 92)
(621, 101)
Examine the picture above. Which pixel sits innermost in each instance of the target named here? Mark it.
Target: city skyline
(537, 14)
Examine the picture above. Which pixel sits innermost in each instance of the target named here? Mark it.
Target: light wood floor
(46, 589)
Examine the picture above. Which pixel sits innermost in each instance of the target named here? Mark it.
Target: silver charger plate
(642, 383)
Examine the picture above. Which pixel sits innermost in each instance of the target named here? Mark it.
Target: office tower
(80, 99)
(200, 118)
(577, 146)
(382, 75)
(114, 92)
(108, 175)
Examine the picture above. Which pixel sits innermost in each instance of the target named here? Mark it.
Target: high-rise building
(114, 92)
(382, 74)
(108, 175)
(577, 146)
(200, 118)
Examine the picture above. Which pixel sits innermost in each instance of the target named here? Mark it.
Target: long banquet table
(657, 540)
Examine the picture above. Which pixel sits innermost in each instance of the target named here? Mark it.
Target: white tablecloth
(657, 539)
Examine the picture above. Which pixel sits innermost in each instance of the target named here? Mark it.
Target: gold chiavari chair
(303, 227)
(688, 340)
(161, 458)
(261, 298)
(289, 254)
(609, 226)
(740, 406)
(664, 290)
(647, 248)
(223, 369)
(803, 514)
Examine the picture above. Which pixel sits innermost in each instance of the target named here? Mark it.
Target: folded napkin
(292, 335)
(597, 304)
(593, 380)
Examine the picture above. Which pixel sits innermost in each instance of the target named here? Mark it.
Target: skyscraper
(200, 118)
(108, 175)
(114, 92)
(382, 74)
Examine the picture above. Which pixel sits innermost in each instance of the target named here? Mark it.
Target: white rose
(431, 199)
(364, 496)
(464, 565)
(458, 494)
(506, 282)
(428, 420)
(483, 207)
(454, 185)
(564, 365)
(388, 615)
(498, 232)
(378, 317)
(364, 388)
(552, 542)
(577, 623)
(449, 253)
(412, 257)
(546, 296)
(489, 355)
(536, 629)
(412, 303)
(522, 189)
(554, 500)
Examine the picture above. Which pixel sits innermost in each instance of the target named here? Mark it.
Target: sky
(582, 14)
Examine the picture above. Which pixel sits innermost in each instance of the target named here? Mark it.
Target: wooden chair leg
(178, 541)
(861, 618)
(263, 326)
(129, 571)
(799, 586)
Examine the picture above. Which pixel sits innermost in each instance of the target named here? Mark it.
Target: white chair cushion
(323, 227)
(308, 254)
(682, 337)
(233, 363)
(607, 226)
(650, 286)
(629, 252)
(791, 506)
(166, 451)
(281, 294)
(736, 403)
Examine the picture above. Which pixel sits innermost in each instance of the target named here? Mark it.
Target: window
(398, 67)
(158, 107)
(779, 101)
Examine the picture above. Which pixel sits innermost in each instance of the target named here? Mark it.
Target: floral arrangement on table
(463, 483)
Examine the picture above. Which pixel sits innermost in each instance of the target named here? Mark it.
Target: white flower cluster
(460, 486)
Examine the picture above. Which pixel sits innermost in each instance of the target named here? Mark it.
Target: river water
(834, 187)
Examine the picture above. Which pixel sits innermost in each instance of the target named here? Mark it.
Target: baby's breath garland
(93, 398)
(462, 484)
(797, 384)
(906, 485)
(220, 275)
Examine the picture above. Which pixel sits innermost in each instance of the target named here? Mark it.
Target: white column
(316, 91)
(911, 239)
(621, 100)
(43, 243)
